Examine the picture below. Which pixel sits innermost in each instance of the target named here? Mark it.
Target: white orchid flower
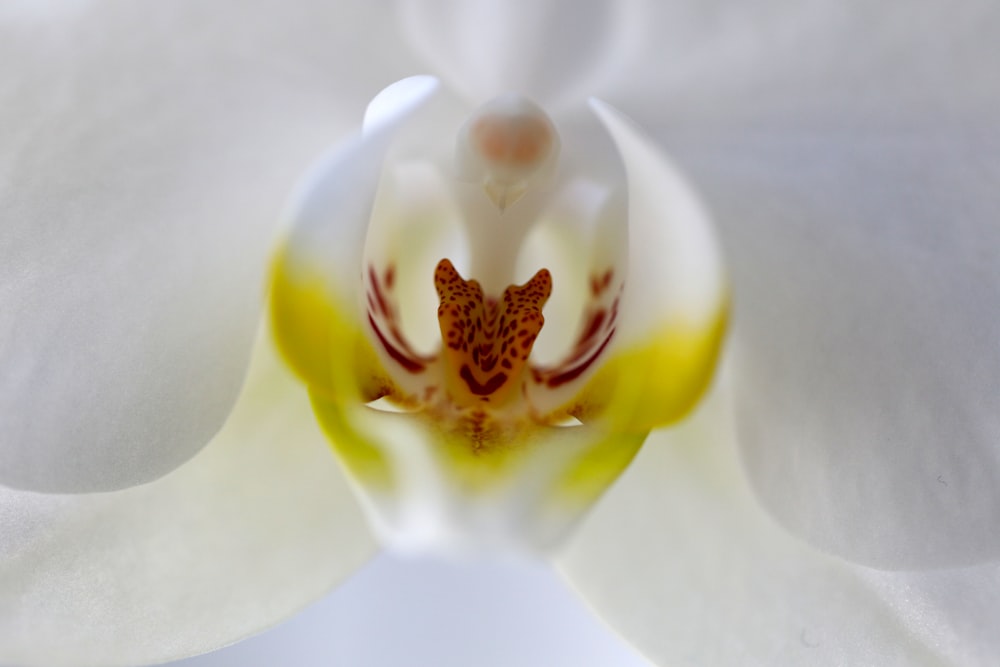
(847, 156)
(477, 454)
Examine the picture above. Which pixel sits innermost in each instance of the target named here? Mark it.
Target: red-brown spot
(410, 364)
(593, 325)
(383, 320)
(479, 389)
(598, 329)
(573, 373)
(601, 282)
(376, 290)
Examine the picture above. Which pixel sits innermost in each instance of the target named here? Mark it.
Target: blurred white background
(398, 612)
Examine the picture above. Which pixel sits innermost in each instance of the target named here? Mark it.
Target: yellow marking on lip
(320, 339)
(655, 382)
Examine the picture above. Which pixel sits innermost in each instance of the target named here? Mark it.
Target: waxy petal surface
(697, 68)
(252, 529)
(673, 306)
(484, 48)
(144, 156)
(317, 292)
(848, 154)
(680, 558)
(866, 356)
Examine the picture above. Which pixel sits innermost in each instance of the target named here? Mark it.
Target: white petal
(331, 210)
(317, 291)
(848, 154)
(551, 50)
(576, 236)
(680, 559)
(144, 156)
(867, 294)
(701, 66)
(666, 309)
(257, 525)
(675, 269)
(415, 223)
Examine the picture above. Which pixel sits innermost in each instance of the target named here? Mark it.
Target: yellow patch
(482, 449)
(361, 455)
(597, 467)
(322, 340)
(656, 382)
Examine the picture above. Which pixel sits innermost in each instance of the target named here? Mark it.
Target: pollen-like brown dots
(487, 342)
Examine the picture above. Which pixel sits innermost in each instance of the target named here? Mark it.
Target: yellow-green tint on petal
(321, 337)
(470, 482)
(474, 452)
(596, 468)
(480, 453)
(655, 381)
(675, 301)
(363, 458)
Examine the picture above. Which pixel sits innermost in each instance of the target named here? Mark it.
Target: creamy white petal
(145, 152)
(260, 523)
(701, 66)
(661, 312)
(848, 154)
(329, 213)
(577, 235)
(415, 223)
(681, 560)
(326, 265)
(551, 50)
(675, 272)
(867, 366)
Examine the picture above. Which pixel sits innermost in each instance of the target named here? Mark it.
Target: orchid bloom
(832, 501)
(476, 453)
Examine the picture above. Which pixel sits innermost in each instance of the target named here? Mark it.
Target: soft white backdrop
(397, 612)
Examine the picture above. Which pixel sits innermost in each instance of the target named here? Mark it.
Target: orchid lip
(484, 360)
